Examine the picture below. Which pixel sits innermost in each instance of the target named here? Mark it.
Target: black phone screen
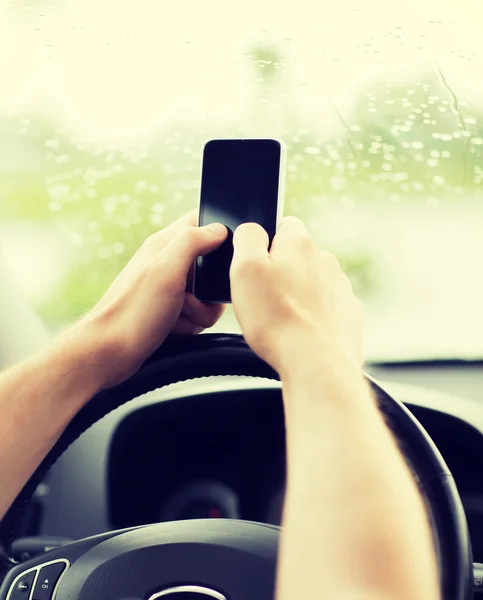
(239, 183)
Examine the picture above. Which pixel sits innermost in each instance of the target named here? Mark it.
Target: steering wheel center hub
(188, 592)
(183, 560)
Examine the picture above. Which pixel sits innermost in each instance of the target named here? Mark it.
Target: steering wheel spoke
(39, 582)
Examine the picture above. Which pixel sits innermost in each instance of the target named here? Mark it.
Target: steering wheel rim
(186, 358)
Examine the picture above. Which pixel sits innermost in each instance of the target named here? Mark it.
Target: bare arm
(147, 302)
(354, 525)
(37, 400)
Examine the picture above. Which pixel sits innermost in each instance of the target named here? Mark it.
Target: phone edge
(280, 200)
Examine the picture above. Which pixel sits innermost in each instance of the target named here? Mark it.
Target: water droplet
(477, 141)
(337, 183)
(52, 143)
(433, 162)
(156, 219)
(313, 150)
(444, 137)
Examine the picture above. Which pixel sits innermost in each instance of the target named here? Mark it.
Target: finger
(184, 326)
(330, 262)
(200, 313)
(158, 240)
(191, 242)
(292, 238)
(250, 243)
(189, 219)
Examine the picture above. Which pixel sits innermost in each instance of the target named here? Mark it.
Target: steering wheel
(210, 559)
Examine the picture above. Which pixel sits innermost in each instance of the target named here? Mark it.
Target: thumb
(191, 242)
(250, 241)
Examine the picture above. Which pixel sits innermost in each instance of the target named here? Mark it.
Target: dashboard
(216, 449)
(222, 457)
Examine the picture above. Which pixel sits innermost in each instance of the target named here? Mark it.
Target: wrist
(314, 355)
(318, 380)
(76, 359)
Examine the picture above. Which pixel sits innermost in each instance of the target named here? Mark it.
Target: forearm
(355, 526)
(37, 400)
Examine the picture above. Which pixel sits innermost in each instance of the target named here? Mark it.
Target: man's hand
(350, 530)
(146, 302)
(149, 299)
(293, 296)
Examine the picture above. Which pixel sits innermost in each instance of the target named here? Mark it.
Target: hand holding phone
(242, 181)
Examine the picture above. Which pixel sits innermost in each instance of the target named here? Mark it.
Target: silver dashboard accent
(189, 588)
(36, 570)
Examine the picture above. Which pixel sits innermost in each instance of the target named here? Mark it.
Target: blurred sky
(114, 70)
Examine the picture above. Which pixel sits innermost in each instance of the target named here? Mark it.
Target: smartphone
(242, 180)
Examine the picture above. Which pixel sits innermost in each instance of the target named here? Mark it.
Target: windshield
(106, 104)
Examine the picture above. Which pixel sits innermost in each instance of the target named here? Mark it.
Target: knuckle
(153, 240)
(304, 241)
(330, 261)
(189, 233)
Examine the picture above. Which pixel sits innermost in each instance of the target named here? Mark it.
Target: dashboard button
(46, 581)
(21, 589)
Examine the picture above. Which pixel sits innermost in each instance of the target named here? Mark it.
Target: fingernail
(217, 228)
